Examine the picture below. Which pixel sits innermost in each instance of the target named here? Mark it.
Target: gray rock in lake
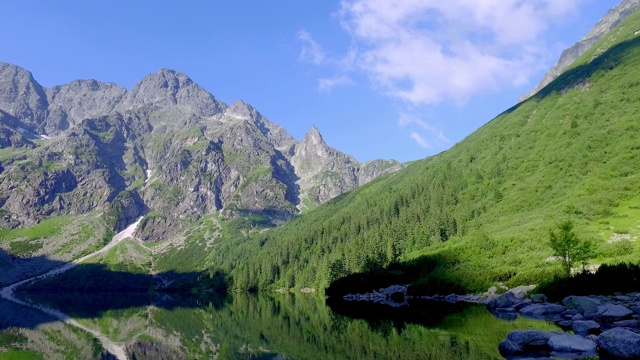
(509, 348)
(582, 303)
(619, 343)
(529, 338)
(585, 328)
(542, 310)
(393, 289)
(612, 312)
(503, 301)
(569, 343)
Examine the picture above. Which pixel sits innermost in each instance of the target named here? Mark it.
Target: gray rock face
(614, 17)
(22, 97)
(10, 136)
(81, 99)
(277, 135)
(619, 343)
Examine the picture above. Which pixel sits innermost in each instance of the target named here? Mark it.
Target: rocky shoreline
(605, 326)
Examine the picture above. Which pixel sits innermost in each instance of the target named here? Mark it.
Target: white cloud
(311, 50)
(327, 84)
(431, 51)
(420, 140)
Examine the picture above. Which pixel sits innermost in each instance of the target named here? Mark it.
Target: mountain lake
(245, 326)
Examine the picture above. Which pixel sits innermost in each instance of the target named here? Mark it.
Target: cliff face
(166, 149)
(612, 19)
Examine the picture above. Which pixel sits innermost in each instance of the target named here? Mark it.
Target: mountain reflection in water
(248, 326)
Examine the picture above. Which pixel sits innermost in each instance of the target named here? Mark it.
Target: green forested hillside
(480, 212)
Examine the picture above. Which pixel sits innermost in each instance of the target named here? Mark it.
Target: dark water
(245, 326)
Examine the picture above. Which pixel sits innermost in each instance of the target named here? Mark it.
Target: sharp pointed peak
(314, 136)
(315, 131)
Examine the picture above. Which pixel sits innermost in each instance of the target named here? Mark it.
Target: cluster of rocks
(394, 295)
(604, 325)
(607, 326)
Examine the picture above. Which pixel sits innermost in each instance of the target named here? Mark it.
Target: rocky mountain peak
(325, 172)
(21, 96)
(241, 110)
(167, 88)
(314, 136)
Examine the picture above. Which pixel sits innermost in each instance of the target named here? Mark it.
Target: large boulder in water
(582, 303)
(508, 348)
(619, 343)
(530, 338)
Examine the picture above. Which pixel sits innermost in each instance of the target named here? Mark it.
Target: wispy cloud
(311, 50)
(429, 51)
(436, 136)
(420, 140)
(326, 84)
(436, 133)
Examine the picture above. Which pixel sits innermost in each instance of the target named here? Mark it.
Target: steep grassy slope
(480, 212)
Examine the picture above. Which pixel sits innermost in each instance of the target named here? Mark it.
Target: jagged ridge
(166, 148)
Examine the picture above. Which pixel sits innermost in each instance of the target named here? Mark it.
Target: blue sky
(380, 79)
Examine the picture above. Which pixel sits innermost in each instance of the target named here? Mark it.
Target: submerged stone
(569, 343)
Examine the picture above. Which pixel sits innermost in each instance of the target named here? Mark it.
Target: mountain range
(167, 151)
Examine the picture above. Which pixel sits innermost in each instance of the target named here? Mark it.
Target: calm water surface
(245, 326)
